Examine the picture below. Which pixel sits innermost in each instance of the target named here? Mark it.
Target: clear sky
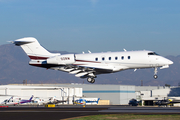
(95, 25)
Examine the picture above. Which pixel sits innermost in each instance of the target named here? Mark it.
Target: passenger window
(109, 58)
(116, 58)
(122, 57)
(103, 58)
(96, 59)
(129, 57)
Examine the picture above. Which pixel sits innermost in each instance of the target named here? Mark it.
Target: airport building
(149, 97)
(44, 92)
(115, 94)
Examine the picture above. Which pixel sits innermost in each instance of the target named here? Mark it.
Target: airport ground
(69, 111)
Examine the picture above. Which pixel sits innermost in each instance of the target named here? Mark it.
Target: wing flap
(91, 71)
(81, 74)
(74, 71)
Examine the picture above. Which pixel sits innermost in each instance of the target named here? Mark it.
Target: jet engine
(62, 59)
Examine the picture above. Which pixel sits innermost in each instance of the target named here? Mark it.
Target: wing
(89, 71)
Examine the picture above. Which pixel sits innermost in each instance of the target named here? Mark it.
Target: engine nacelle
(62, 59)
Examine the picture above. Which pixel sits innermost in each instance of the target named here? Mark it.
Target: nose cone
(170, 62)
(166, 61)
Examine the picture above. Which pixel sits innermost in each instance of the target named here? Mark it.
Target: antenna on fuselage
(89, 51)
(125, 50)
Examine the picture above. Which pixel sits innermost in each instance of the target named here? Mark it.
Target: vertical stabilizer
(97, 100)
(31, 97)
(32, 48)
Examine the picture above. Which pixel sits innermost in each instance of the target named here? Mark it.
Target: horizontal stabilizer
(23, 41)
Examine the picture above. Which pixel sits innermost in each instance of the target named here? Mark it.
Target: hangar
(151, 96)
(44, 92)
(116, 94)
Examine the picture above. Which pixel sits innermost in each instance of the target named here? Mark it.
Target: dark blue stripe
(107, 91)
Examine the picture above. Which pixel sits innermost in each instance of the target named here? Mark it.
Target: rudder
(32, 48)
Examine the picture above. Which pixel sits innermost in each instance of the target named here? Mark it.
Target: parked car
(133, 102)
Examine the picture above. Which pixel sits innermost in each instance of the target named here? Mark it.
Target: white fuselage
(121, 60)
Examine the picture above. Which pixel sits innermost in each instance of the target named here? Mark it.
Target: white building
(117, 94)
(44, 92)
(149, 97)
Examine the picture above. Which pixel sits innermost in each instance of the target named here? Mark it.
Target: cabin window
(103, 58)
(109, 58)
(96, 59)
(116, 58)
(122, 57)
(129, 57)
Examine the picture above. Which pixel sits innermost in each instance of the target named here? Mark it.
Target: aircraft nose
(167, 61)
(170, 62)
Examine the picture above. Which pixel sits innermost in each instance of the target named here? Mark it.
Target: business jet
(11, 101)
(86, 101)
(167, 102)
(89, 65)
(26, 101)
(52, 100)
(38, 101)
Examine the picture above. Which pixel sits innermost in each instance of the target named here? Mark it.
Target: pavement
(70, 111)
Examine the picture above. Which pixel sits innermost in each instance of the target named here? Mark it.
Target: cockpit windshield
(152, 53)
